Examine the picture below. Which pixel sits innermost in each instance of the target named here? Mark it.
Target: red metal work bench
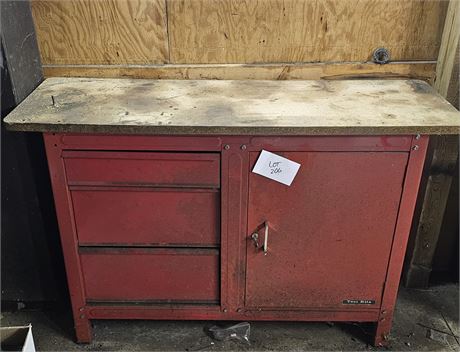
(158, 205)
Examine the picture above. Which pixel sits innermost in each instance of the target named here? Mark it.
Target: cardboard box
(17, 338)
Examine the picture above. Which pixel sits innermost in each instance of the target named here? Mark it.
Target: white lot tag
(276, 167)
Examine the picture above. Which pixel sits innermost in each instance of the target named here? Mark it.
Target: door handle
(255, 238)
(266, 238)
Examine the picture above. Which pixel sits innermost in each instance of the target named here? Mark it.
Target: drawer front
(151, 275)
(127, 216)
(142, 169)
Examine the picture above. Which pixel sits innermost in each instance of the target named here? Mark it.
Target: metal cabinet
(329, 233)
(177, 227)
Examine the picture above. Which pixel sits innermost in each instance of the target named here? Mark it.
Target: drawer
(151, 275)
(140, 216)
(142, 168)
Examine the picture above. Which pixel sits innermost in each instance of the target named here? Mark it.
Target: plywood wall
(101, 31)
(190, 32)
(236, 31)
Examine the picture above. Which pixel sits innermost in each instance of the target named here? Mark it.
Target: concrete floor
(417, 311)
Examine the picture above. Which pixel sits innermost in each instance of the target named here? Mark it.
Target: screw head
(225, 310)
(415, 147)
(417, 136)
(226, 147)
(243, 147)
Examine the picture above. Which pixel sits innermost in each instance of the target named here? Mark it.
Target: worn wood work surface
(235, 107)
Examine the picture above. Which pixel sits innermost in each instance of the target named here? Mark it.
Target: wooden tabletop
(235, 107)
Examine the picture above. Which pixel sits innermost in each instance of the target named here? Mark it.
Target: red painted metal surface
(223, 171)
(155, 275)
(69, 240)
(142, 169)
(235, 161)
(137, 142)
(333, 143)
(339, 213)
(208, 312)
(142, 216)
(106, 142)
(403, 225)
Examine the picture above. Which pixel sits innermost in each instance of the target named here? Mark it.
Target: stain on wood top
(235, 107)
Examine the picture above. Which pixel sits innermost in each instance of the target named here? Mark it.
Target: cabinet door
(329, 233)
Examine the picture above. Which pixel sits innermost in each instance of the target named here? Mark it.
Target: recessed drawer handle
(255, 239)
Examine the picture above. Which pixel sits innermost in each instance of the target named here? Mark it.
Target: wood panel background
(249, 31)
(101, 31)
(168, 38)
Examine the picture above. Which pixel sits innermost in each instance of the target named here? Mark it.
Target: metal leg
(83, 330)
(382, 330)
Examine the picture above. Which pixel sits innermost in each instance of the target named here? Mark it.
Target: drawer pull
(266, 238)
(255, 239)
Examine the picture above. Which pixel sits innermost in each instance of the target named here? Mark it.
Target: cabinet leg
(83, 330)
(382, 331)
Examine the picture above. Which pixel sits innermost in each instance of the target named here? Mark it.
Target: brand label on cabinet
(358, 301)
(276, 167)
